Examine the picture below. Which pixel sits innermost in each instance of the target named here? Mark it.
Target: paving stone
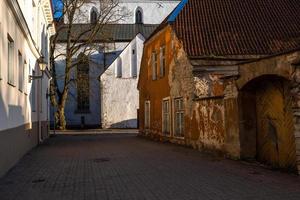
(123, 166)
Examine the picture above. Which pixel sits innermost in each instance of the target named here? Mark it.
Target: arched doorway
(266, 122)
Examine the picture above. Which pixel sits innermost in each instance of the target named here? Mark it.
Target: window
(25, 76)
(0, 51)
(33, 20)
(162, 59)
(21, 72)
(138, 16)
(179, 117)
(133, 69)
(33, 94)
(154, 65)
(118, 70)
(94, 15)
(147, 114)
(83, 85)
(10, 59)
(166, 116)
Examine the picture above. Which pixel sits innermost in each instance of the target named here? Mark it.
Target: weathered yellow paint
(275, 127)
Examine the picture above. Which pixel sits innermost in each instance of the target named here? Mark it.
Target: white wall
(15, 106)
(120, 95)
(96, 68)
(154, 12)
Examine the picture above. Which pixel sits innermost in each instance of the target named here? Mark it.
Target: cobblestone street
(123, 166)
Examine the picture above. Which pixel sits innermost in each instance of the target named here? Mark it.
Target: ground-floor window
(166, 116)
(179, 117)
(147, 114)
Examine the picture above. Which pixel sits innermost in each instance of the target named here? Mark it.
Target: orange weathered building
(223, 76)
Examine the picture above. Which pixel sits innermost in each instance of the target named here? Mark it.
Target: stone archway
(266, 122)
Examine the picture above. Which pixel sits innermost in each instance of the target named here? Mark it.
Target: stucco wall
(20, 122)
(120, 94)
(204, 114)
(23, 139)
(154, 91)
(15, 106)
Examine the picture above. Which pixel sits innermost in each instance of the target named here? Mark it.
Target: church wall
(120, 94)
(153, 12)
(96, 64)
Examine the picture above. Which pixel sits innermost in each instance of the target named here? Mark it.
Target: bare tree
(78, 41)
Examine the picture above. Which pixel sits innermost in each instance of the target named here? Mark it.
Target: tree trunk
(60, 118)
(62, 98)
(60, 113)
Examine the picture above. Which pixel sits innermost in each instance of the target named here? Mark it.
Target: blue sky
(57, 5)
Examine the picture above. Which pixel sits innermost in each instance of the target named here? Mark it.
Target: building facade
(119, 87)
(240, 101)
(25, 28)
(102, 110)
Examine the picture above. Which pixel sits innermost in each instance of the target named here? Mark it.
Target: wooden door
(247, 101)
(275, 137)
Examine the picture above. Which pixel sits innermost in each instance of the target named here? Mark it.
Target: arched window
(118, 70)
(83, 85)
(138, 16)
(133, 69)
(94, 15)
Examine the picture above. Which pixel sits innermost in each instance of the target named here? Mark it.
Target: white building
(25, 29)
(120, 97)
(113, 99)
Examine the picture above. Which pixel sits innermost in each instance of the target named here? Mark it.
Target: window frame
(11, 61)
(94, 15)
(33, 94)
(147, 118)
(1, 51)
(20, 72)
(167, 99)
(85, 75)
(175, 112)
(118, 67)
(154, 65)
(162, 61)
(138, 16)
(26, 76)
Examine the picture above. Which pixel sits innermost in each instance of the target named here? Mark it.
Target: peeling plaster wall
(213, 112)
(204, 113)
(119, 94)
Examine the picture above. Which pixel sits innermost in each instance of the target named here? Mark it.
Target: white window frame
(147, 117)
(10, 61)
(162, 61)
(154, 65)
(175, 112)
(167, 99)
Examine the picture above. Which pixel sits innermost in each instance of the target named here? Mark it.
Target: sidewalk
(93, 131)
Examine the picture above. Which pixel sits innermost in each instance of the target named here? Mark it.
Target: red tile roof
(238, 27)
